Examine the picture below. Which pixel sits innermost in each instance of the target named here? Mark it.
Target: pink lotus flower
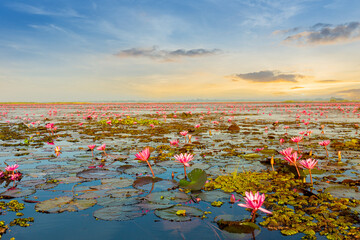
(15, 176)
(184, 159)
(102, 147)
(91, 147)
(232, 198)
(286, 151)
(309, 164)
(144, 156)
(324, 143)
(174, 142)
(282, 141)
(1, 174)
(258, 149)
(197, 125)
(254, 202)
(183, 133)
(296, 139)
(291, 157)
(152, 125)
(11, 168)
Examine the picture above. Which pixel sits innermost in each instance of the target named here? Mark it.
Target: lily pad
(62, 204)
(97, 174)
(17, 193)
(197, 179)
(235, 229)
(118, 213)
(111, 202)
(144, 170)
(121, 193)
(154, 184)
(168, 197)
(251, 156)
(171, 213)
(215, 195)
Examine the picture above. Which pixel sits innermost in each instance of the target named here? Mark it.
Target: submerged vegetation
(296, 163)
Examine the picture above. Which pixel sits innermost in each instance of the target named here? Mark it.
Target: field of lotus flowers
(180, 171)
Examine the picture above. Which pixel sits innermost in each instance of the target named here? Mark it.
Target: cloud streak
(41, 11)
(350, 93)
(328, 81)
(322, 33)
(165, 55)
(268, 76)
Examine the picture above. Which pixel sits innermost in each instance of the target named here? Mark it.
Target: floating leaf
(211, 196)
(62, 204)
(96, 174)
(172, 213)
(118, 213)
(17, 193)
(197, 179)
(235, 229)
(168, 197)
(154, 184)
(111, 202)
(121, 193)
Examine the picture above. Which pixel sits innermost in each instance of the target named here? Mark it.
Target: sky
(179, 50)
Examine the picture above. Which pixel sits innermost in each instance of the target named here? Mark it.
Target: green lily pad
(212, 196)
(197, 179)
(235, 229)
(97, 173)
(171, 213)
(67, 180)
(62, 204)
(144, 170)
(111, 202)
(17, 193)
(118, 213)
(154, 184)
(45, 186)
(251, 156)
(167, 197)
(121, 193)
(117, 182)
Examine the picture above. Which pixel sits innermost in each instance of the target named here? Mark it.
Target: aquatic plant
(254, 201)
(183, 133)
(291, 157)
(102, 148)
(297, 140)
(91, 147)
(184, 159)
(144, 156)
(309, 164)
(324, 144)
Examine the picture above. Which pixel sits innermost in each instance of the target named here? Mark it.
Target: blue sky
(179, 50)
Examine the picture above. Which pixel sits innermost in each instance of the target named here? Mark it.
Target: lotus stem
(150, 168)
(297, 169)
(185, 171)
(327, 153)
(311, 177)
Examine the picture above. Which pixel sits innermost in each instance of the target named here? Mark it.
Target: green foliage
(294, 210)
(197, 179)
(130, 121)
